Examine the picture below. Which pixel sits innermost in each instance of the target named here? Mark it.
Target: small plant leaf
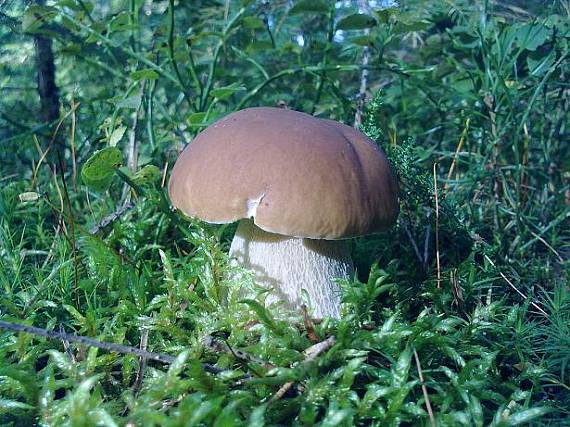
(29, 196)
(196, 118)
(253, 23)
(147, 176)
(263, 315)
(117, 135)
(35, 16)
(131, 102)
(384, 15)
(304, 6)
(226, 92)
(357, 21)
(526, 416)
(147, 74)
(97, 172)
(257, 417)
(12, 405)
(530, 36)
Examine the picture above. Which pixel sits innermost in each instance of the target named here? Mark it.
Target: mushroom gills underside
(288, 265)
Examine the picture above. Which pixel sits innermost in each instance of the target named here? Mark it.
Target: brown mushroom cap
(295, 174)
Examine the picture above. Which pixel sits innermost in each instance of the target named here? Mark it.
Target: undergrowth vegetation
(458, 316)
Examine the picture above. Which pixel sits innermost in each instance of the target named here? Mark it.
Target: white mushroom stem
(288, 265)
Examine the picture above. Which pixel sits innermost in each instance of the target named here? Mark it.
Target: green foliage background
(480, 89)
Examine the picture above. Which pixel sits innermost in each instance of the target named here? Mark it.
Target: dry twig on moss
(118, 348)
(311, 354)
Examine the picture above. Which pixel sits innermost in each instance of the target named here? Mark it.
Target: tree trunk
(47, 89)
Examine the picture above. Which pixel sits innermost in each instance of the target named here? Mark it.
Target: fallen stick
(311, 354)
(118, 348)
(111, 217)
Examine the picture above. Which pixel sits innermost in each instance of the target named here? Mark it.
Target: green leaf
(357, 21)
(102, 418)
(27, 383)
(337, 417)
(70, 4)
(259, 46)
(36, 16)
(263, 315)
(364, 40)
(71, 49)
(257, 417)
(63, 362)
(7, 405)
(253, 23)
(304, 6)
(132, 102)
(75, 6)
(205, 409)
(526, 416)
(476, 410)
(117, 135)
(175, 369)
(402, 368)
(147, 74)
(539, 64)
(531, 36)
(402, 27)
(146, 176)
(97, 172)
(196, 118)
(79, 318)
(384, 15)
(226, 91)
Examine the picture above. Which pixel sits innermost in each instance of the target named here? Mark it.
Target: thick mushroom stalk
(288, 265)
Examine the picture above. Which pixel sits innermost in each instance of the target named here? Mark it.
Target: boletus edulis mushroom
(300, 187)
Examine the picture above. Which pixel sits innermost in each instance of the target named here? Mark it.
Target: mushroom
(300, 187)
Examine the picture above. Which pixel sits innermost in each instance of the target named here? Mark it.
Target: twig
(315, 350)
(71, 217)
(425, 257)
(325, 59)
(545, 243)
(61, 212)
(363, 8)
(514, 287)
(111, 217)
(426, 243)
(5, 178)
(457, 150)
(164, 173)
(43, 154)
(438, 269)
(173, 61)
(226, 12)
(424, 388)
(142, 361)
(312, 70)
(362, 91)
(72, 143)
(62, 335)
(456, 288)
(66, 345)
(311, 354)
(118, 348)
(132, 156)
(413, 242)
(223, 347)
(309, 325)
